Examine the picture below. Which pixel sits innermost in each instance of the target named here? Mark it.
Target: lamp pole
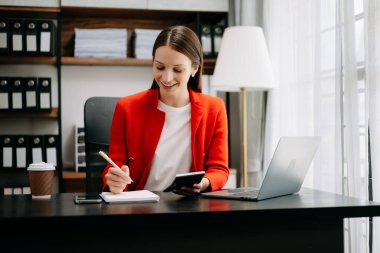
(249, 65)
(244, 141)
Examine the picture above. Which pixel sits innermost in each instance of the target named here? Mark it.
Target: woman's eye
(160, 68)
(177, 71)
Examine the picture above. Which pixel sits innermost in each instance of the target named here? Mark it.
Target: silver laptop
(286, 172)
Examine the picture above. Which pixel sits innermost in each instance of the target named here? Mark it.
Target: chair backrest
(98, 114)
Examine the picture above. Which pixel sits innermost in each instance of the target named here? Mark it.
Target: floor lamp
(243, 64)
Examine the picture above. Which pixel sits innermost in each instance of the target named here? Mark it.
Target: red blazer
(136, 129)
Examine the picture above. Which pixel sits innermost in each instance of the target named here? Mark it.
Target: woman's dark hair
(184, 41)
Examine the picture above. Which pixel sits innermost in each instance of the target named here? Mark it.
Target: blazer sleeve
(118, 145)
(216, 163)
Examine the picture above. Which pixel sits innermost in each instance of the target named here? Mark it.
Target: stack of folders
(18, 190)
(27, 37)
(101, 43)
(25, 94)
(80, 150)
(18, 151)
(144, 42)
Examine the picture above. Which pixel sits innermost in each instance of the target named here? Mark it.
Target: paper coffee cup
(41, 179)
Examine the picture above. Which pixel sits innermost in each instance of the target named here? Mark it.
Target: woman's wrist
(205, 184)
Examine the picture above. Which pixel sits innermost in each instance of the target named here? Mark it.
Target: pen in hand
(106, 157)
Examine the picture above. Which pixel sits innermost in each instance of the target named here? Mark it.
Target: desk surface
(311, 221)
(307, 203)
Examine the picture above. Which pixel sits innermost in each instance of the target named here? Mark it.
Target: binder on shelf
(17, 191)
(21, 151)
(17, 35)
(51, 147)
(26, 190)
(46, 37)
(217, 38)
(17, 91)
(31, 37)
(44, 94)
(5, 94)
(4, 36)
(37, 150)
(80, 149)
(8, 190)
(206, 40)
(31, 100)
(6, 155)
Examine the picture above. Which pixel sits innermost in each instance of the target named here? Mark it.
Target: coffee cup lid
(41, 166)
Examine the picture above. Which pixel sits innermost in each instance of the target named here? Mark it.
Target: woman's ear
(195, 69)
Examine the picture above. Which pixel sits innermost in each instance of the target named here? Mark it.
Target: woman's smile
(168, 85)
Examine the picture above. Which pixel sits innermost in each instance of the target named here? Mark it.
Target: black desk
(311, 221)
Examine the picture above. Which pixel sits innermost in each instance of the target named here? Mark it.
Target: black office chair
(98, 114)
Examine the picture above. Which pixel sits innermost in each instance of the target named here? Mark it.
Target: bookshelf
(28, 60)
(130, 19)
(31, 9)
(49, 115)
(74, 181)
(31, 123)
(106, 61)
(118, 62)
(71, 14)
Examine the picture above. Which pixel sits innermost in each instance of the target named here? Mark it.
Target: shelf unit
(50, 115)
(74, 181)
(68, 18)
(79, 17)
(46, 60)
(118, 62)
(18, 177)
(106, 61)
(44, 10)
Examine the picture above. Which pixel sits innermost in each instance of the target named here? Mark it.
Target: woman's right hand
(118, 179)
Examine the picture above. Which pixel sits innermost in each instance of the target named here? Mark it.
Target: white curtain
(316, 48)
(372, 66)
(288, 26)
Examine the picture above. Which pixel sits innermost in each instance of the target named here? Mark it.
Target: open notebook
(130, 197)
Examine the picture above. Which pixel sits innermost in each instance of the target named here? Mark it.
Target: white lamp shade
(243, 61)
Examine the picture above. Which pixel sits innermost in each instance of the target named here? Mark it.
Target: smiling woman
(171, 128)
(172, 71)
(185, 44)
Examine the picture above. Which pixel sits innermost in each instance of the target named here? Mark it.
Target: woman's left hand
(196, 189)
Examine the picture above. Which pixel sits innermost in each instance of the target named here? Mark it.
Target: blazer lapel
(196, 117)
(155, 120)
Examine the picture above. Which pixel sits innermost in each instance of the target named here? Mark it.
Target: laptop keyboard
(246, 194)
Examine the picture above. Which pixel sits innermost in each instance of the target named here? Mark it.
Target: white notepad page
(130, 197)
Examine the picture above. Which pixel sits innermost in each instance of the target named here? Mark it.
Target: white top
(173, 152)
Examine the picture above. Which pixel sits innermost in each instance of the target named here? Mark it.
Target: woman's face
(172, 70)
